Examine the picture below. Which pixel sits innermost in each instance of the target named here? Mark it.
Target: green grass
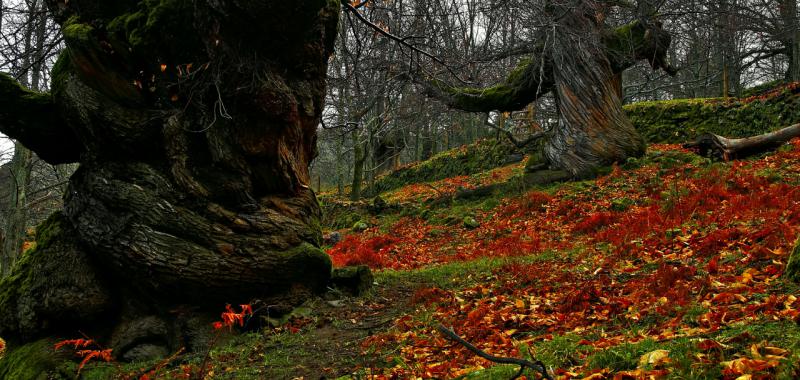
(452, 275)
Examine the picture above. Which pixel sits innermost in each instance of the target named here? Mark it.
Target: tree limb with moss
(32, 118)
(533, 76)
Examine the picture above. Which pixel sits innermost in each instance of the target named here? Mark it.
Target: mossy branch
(32, 119)
(533, 77)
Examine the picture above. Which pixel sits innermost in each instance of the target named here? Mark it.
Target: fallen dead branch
(723, 148)
(537, 366)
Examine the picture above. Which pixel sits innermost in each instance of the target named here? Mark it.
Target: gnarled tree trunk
(580, 62)
(194, 123)
(592, 130)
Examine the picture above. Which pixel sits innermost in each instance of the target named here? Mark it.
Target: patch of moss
(792, 271)
(682, 120)
(317, 264)
(60, 72)
(33, 361)
(155, 29)
(22, 276)
(471, 159)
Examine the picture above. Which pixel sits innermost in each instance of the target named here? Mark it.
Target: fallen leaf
(654, 358)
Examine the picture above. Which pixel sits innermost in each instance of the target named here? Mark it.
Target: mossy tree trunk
(579, 64)
(194, 123)
(17, 217)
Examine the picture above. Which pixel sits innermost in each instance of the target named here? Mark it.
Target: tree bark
(359, 159)
(194, 124)
(17, 219)
(791, 37)
(592, 130)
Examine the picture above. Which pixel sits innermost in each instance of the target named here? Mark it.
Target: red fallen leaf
(744, 366)
(743, 337)
(710, 344)
(429, 296)
(713, 265)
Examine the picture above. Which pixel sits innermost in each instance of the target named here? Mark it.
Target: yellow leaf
(520, 304)
(654, 358)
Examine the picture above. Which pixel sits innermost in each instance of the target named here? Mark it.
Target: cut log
(723, 148)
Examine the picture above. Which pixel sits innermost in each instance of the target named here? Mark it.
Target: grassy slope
(673, 252)
(670, 252)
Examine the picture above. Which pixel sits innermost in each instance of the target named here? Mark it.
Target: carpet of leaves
(420, 192)
(639, 245)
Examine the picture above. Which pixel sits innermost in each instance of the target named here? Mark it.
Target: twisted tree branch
(535, 366)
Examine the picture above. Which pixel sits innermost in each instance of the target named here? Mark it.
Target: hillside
(671, 266)
(661, 122)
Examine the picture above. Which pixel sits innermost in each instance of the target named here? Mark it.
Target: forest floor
(670, 266)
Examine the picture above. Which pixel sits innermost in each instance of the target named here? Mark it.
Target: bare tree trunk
(359, 159)
(22, 161)
(16, 221)
(788, 10)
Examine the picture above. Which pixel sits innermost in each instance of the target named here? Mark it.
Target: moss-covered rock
(33, 361)
(53, 287)
(470, 222)
(360, 226)
(355, 280)
(682, 120)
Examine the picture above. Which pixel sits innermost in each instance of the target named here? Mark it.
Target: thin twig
(519, 144)
(537, 366)
(400, 40)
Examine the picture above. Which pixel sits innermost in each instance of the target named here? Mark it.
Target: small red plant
(230, 317)
(2, 347)
(594, 222)
(87, 355)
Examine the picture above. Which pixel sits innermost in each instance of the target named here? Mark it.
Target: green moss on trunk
(53, 287)
(33, 361)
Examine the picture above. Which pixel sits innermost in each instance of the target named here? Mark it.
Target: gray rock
(354, 280)
(145, 352)
(332, 238)
(360, 226)
(139, 338)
